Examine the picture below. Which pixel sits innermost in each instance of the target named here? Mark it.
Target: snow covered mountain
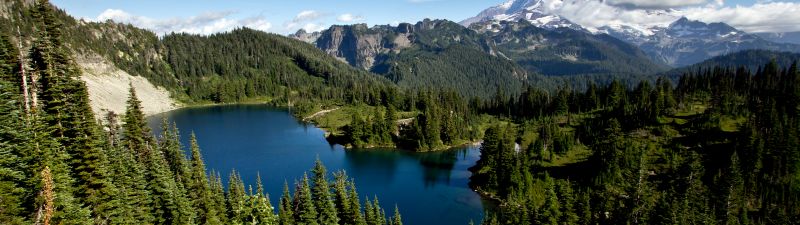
(534, 11)
(783, 37)
(685, 42)
(680, 43)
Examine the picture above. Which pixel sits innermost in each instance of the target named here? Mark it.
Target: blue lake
(429, 188)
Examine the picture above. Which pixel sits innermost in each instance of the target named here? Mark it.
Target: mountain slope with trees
(60, 166)
(720, 147)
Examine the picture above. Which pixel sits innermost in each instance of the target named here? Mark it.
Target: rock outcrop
(108, 88)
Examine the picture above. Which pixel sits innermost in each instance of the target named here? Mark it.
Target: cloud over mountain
(205, 23)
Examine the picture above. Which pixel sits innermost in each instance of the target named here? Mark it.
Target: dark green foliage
(12, 169)
(321, 192)
(286, 213)
(565, 52)
(304, 211)
(656, 158)
(199, 188)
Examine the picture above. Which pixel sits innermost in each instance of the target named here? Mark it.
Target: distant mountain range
(784, 37)
(678, 44)
(753, 59)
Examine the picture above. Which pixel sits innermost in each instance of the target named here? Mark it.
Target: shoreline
(303, 119)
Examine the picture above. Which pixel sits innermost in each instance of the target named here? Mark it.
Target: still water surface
(429, 188)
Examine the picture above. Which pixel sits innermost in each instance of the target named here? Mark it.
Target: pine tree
(170, 145)
(286, 213)
(199, 189)
(137, 133)
(89, 161)
(303, 203)
(378, 212)
(169, 203)
(263, 210)
(550, 211)
(12, 170)
(219, 197)
(355, 205)
(341, 199)
(322, 195)
(369, 213)
(236, 199)
(129, 177)
(397, 219)
(51, 124)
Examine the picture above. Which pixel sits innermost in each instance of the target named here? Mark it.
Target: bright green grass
(578, 153)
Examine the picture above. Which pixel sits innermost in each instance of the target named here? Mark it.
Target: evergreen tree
(355, 205)
(551, 210)
(321, 193)
(169, 202)
(129, 176)
(369, 213)
(50, 61)
(237, 199)
(341, 198)
(170, 145)
(12, 170)
(286, 213)
(304, 211)
(220, 204)
(199, 189)
(396, 219)
(137, 133)
(263, 213)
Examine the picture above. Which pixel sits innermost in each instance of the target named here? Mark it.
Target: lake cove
(429, 188)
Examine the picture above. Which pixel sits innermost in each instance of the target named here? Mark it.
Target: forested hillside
(751, 59)
(430, 54)
(565, 51)
(58, 165)
(721, 147)
(229, 67)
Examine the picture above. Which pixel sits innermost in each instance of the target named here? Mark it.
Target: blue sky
(278, 13)
(208, 16)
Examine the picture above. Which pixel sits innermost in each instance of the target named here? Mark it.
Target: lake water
(429, 188)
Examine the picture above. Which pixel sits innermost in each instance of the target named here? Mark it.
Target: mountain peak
(534, 11)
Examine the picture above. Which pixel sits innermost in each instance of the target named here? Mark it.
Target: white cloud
(347, 18)
(314, 27)
(304, 17)
(650, 4)
(307, 15)
(760, 17)
(206, 23)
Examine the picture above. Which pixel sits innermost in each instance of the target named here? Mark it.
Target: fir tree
(304, 211)
(129, 177)
(12, 170)
(262, 211)
(137, 133)
(236, 199)
(286, 210)
(341, 199)
(199, 189)
(397, 219)
(323, 201)
(219, 197)
(355, 205)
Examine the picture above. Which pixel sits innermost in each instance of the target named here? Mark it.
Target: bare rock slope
(108, 88)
